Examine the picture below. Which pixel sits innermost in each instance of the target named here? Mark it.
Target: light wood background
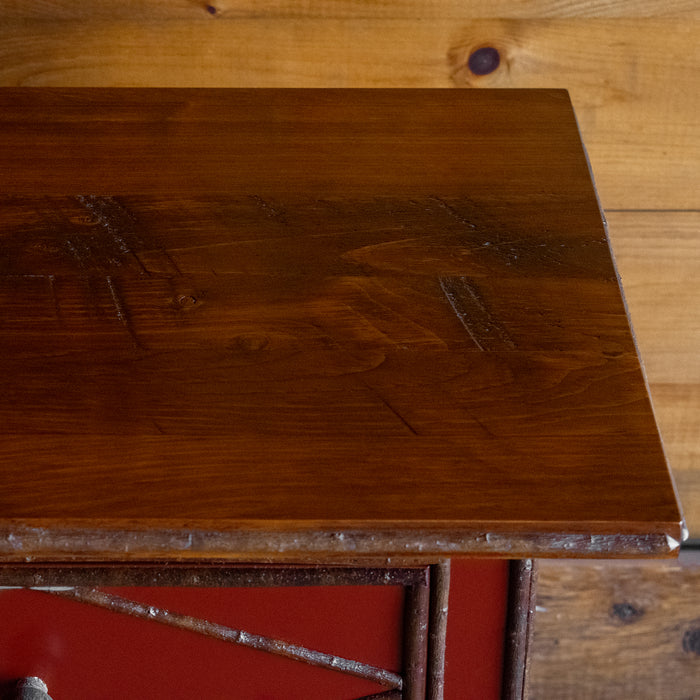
(631, 67)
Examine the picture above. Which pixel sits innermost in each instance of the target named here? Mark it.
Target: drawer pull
(31, 688)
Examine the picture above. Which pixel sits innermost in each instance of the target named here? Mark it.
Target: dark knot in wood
(626, 612)
(484, 60)
(186, 301)
(691, 639)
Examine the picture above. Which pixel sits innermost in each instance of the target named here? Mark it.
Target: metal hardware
(30, 688)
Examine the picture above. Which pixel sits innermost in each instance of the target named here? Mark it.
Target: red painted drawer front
(88, 653)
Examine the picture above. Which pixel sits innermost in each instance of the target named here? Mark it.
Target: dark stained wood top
(297, 324)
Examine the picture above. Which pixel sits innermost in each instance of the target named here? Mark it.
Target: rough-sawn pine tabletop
(314, 324)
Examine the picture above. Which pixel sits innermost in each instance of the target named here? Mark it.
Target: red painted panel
(476, 629)
(87, 653)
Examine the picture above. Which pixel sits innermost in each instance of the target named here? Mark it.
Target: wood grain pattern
(376, 9)
(261, 144)
(639, 126)
(677, 408)
(658, 254)
(371, 358)
(611, 630)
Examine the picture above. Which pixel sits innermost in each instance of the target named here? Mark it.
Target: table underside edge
(44, 540)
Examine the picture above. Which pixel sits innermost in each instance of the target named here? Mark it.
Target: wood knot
(475, 63)
(484, 60)
(186, 301)
(691, 639)
(249, 343)
(626, 612)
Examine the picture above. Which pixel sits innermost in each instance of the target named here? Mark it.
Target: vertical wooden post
(439, 598)
(415, 651)
(519, 628)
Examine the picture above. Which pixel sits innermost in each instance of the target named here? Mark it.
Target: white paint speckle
(672, 544)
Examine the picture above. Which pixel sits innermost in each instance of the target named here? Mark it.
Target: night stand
(311, 341)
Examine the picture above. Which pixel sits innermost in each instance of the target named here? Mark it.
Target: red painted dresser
(296, 383)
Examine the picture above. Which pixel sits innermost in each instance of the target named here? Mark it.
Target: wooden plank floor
(611, 631)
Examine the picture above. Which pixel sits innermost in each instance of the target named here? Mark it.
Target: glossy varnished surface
(302, 324)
